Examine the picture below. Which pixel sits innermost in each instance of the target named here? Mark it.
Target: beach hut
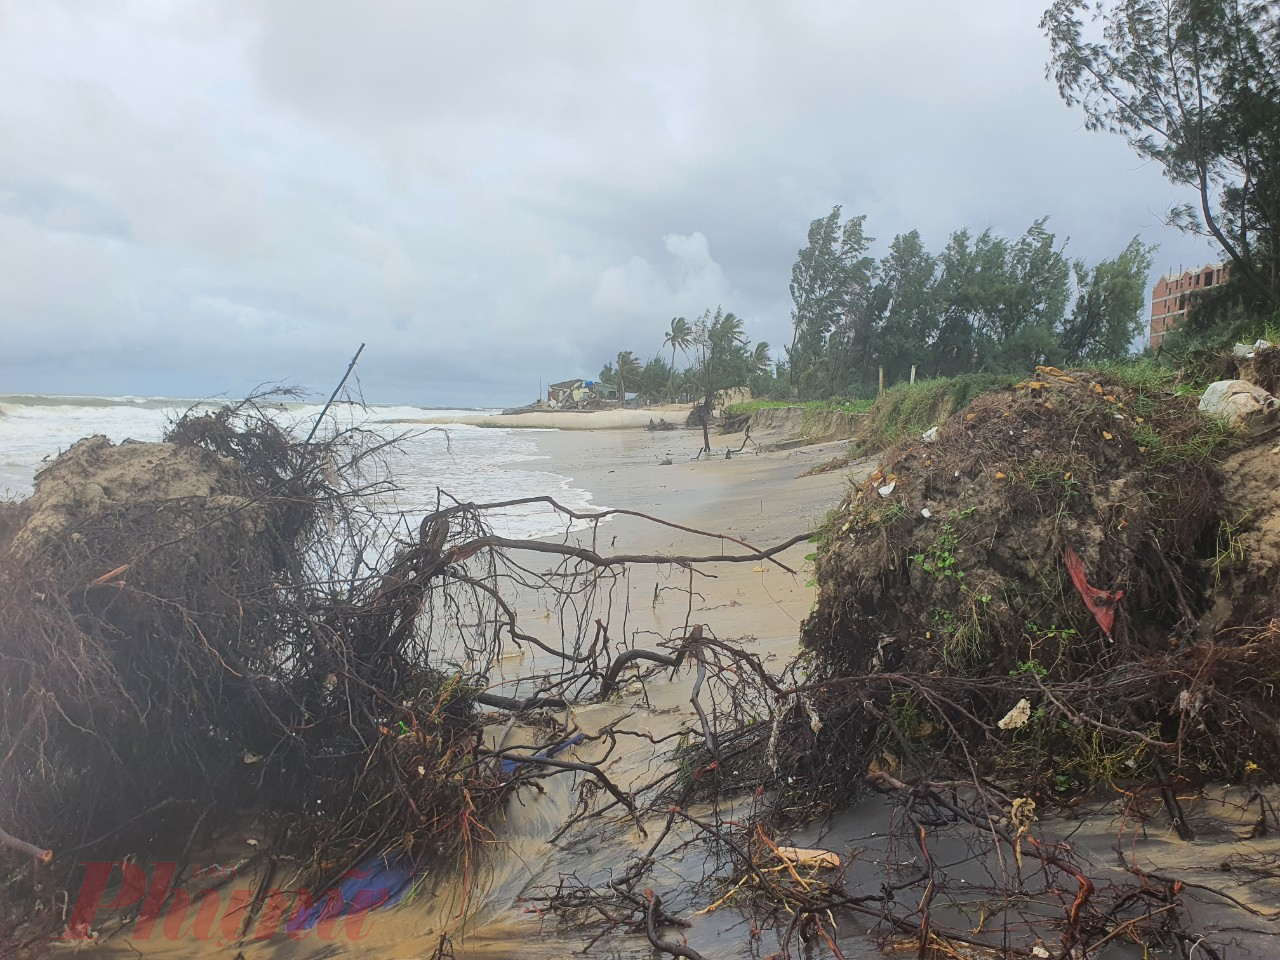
(567, 391)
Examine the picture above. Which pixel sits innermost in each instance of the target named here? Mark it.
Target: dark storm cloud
(195, 198)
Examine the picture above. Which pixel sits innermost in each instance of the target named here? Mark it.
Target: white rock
(1245, 351)
(930, 435)
(924, 512)
(1241, 404)
(1017, 717)
(887, 488)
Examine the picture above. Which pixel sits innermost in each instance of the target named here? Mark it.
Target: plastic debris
(1101, 603)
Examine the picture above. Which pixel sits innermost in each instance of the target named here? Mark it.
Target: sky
(199, 197)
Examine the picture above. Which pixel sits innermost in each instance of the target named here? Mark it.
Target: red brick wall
(1172, 297)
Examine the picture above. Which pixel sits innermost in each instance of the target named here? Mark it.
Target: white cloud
(214, 195)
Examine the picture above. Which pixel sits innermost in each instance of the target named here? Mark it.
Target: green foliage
(1198, 448)
(984, 304)
(939, 558)
(1195, 86)
(1146, 377)
(722, 358)
(1223, 316)
(1030, 668)
(1047, 476)
(837, 405)
(679, 336)
(907, 720)
(627, 369)
(1001, 301)
(824, 532)
(963, 642)
(1066, 758)
(653, 382)
(872, 514)
(1109, 308)
(829, 283)
(907, 409)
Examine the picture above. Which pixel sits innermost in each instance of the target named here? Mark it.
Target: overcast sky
(196, 197)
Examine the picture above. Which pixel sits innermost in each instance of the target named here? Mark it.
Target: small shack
(575, 393)
(567, 392)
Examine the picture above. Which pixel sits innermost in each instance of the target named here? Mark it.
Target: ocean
(470, 463)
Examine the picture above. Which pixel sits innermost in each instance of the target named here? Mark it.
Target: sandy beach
(758, 498)
(573, 419)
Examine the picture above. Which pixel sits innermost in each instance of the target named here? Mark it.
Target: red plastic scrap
(1101, 603)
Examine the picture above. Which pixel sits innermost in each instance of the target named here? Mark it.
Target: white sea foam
(471, 464)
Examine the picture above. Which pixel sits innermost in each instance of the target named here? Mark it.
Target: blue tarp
(510, 765)
(385, 879)
(380, 881)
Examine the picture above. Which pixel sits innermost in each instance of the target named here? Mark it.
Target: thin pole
(913, 373)
(882, 379)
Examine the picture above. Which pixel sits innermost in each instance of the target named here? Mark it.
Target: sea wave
(427, 465)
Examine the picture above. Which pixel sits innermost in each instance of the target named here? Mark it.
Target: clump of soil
(1059, 542)
(96, 480)
(10, 520)
(1262, 369)
(1246, 558)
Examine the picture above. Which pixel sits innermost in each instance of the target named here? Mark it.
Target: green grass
(1199, 448)
(1144, 375)
(912, 408)
(838, 405)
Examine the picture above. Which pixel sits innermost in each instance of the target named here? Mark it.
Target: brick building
(1173, 294)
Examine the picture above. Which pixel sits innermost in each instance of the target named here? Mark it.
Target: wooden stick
(333, 396)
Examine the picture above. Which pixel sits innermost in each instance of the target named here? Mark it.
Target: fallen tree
(224, 629)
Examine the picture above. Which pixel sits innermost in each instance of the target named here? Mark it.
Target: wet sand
(573, 419)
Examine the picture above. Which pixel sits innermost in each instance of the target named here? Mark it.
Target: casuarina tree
(1195, 86)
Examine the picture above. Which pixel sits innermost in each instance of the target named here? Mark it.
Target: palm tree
(679, 336)
(726, 329)
(627, 368)
(760, 361)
